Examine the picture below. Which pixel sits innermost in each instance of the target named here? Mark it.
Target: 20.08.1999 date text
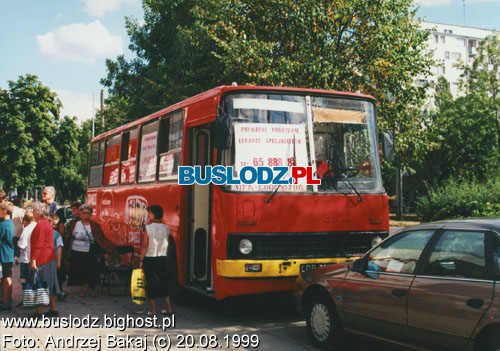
(207, 341)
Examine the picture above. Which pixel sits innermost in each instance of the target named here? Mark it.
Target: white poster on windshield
(270, 145)
(147, 163)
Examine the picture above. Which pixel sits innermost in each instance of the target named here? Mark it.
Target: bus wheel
(175, 288)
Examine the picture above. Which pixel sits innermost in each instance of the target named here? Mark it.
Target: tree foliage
(185, 47)
(462, 134)
(38, 148)
(482, 79)
(465, 132)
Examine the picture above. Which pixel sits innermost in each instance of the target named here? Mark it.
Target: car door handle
(399, 293)
(475, 303)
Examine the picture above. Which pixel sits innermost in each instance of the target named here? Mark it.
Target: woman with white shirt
(154, 259)
(84, 266)
(24, 245)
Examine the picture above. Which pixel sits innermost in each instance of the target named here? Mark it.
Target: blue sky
(65, 42)
(478, 13)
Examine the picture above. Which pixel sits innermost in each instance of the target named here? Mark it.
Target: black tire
(323, 324)
(493, 341)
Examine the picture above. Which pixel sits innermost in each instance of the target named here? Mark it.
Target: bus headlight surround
(245, 246)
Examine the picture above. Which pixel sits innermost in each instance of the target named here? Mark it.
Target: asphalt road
(269, 319)
(270, 316)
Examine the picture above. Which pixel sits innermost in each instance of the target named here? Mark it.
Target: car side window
(459, 254)
(495, 245)
(399, 254)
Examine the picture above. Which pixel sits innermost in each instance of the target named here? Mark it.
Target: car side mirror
(359, 265)
(388, 146)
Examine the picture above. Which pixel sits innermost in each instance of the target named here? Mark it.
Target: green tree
(171, 64)
(71, 177)
(16, 156)
(483, 78)
(28, 118)
(185, 47)
(38, 148)
(459, 140)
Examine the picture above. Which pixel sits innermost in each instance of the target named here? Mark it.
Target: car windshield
(272, 130)
(400, 253)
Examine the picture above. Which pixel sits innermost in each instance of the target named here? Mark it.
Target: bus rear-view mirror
(388, 146)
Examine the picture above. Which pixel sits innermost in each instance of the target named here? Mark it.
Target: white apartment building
(450, 44)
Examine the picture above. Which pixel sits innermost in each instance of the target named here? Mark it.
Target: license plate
(309, 266)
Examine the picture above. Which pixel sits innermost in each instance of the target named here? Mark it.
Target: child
(154, 259)
(58, 247)
(25, 247)
(6, 253)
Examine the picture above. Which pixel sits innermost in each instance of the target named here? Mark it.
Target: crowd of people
(49, 248)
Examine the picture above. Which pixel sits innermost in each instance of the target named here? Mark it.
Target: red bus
(242, 239)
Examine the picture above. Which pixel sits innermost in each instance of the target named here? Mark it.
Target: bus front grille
(302, 245)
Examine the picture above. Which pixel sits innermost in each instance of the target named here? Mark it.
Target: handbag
(95, 249)
(35, 294)
(138, 287)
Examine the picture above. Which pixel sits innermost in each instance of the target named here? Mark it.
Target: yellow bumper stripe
(270, 268)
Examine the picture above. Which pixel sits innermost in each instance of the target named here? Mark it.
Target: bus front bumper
(259, 269)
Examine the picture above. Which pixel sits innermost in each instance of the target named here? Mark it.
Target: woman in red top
(43, 257)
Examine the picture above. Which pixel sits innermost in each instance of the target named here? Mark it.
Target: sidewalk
(74, 327)
(131, 330)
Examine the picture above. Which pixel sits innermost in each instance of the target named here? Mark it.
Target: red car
(432, 286)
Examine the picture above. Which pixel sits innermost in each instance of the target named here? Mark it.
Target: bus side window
(148, 150)
(96, 164)
(128, 156)
(170, 145)
(112, 164)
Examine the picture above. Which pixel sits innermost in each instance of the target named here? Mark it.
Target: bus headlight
(376, 240)
(245, 246)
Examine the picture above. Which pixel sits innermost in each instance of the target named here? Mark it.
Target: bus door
(199, 258)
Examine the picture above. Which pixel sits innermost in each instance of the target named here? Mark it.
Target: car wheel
(323, 325)
(494, 342)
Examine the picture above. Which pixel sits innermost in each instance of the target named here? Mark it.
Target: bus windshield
(271, 129)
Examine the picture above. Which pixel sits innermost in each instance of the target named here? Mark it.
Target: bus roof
(220, 90)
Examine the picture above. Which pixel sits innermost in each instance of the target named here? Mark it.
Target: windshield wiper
(342, 172)
(269, 199)
(345, 178)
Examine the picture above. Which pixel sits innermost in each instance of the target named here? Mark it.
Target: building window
(461, 41)
(448, 31)
(436, 38)
(447, 55)
(444, 70)
(442, 39)
(457, 56)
